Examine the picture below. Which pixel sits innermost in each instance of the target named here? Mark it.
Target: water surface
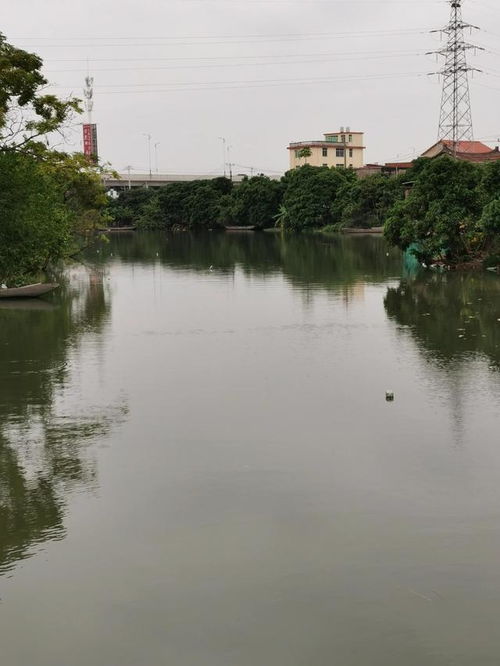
(198, 465)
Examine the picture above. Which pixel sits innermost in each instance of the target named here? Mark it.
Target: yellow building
(338, 149)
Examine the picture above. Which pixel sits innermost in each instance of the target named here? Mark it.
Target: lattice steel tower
(455, 121)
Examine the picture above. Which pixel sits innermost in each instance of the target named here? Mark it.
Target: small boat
(29, 290)
(114, 230)
(249, 228)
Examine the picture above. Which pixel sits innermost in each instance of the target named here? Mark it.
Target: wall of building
(328, 154)
(337, 149)
(348, 137)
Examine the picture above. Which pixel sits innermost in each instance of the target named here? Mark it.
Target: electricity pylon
(455, 120)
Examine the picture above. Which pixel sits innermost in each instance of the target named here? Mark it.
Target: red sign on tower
(90, 142)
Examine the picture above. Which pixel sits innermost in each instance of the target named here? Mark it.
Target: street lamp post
(156, 156)
(229, 163)
(149, 153)
(128, 169)
(223, 153)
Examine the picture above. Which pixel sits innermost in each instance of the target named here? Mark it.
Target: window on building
(350, 138)
(350, 152)
(325, 165)
(297, 154)
(340, 152)
(343, 138)
(325, 152)
(340, 166)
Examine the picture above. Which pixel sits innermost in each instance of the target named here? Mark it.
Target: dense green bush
(445, 213)
(255, 202)
(309, 195)
(35, 223)
(366, 202)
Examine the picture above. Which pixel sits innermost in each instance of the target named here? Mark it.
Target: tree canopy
(48, 198)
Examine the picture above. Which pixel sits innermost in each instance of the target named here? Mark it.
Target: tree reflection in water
(453, 315)
(42, 450)
(332, 263)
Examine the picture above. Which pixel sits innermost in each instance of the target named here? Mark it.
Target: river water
(198, 466)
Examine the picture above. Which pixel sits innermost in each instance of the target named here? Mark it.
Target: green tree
(310, 193)
(50, 200)
(27, 114)
(138, 205)
(441, 214)
(304, 153)
(255, 202)
(35, 223)
(366, 202)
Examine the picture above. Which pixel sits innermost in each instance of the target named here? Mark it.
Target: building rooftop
(466, 146)
(399, 165)
(322, 142)
(490, 156)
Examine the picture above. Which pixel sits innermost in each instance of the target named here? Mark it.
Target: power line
(74, 38)
(240, 85)
(240, 64)
(195, 41)
(230, 57)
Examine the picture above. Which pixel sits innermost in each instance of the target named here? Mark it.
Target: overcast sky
(260, 73)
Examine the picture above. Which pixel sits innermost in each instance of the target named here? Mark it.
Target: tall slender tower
(455, 121)
(89, 128)
(88, 93)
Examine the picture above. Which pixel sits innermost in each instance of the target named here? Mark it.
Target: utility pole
(455, 120)
(156, 156)
(229, 163)
(223, 153)
(149, 154)
(128, 169)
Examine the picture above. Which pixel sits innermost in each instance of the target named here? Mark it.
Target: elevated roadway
(125, 182)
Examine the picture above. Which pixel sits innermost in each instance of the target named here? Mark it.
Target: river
(198, 465)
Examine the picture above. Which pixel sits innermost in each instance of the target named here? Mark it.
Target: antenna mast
(89, 128)
(455, 121)
(88, 93)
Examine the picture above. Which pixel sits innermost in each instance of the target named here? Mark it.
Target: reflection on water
(261, 503)
(41, 445)
(452, 316)
(306, 261)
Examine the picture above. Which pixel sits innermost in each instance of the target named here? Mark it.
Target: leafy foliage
(366, 202)
(26, 113)
(190, 205)
(255, 202)
(35, 224)
(49, 200)
(309, 196)
(445, 212)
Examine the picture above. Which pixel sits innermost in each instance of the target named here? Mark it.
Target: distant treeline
(306, 198)
(446, 210)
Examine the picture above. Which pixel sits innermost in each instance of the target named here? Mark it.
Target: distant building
(338, 149)
(388, 169)
(468, 151)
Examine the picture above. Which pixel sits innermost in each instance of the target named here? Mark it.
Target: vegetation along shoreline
(53, 204)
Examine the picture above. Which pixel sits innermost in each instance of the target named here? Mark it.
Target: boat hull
(28, 291)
